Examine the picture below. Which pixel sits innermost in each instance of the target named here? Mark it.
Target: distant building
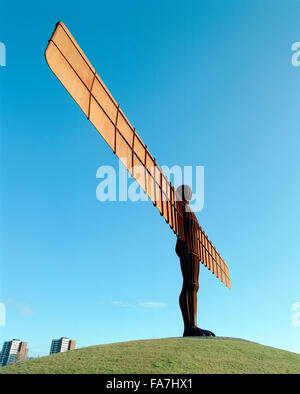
(13, 352)
(62, 345)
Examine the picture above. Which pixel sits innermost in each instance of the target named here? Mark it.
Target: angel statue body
(188, 253)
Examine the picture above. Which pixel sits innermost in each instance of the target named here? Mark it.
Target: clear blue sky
(206, 83)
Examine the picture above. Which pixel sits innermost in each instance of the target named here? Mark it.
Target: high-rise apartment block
(62, 345)
(13, 352)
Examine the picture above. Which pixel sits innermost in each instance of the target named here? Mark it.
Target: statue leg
(188, 297)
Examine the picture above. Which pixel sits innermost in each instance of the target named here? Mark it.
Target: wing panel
(211, 258)
(63, 42)
(101, 122)
(103, 98)
(67, 76)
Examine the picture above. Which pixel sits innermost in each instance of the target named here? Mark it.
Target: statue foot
(197, 332)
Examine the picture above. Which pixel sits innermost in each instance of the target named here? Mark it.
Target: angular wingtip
(59, 23)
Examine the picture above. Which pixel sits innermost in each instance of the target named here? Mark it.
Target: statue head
(185, 193)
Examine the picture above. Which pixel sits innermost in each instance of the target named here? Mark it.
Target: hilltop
(167, 356)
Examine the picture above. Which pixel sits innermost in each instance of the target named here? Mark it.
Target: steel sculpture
(77, 75)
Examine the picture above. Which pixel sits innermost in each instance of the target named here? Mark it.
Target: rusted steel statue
(77, 75)
(188, 252)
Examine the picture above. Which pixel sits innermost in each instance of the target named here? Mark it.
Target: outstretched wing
(72, 68)
(211, 258)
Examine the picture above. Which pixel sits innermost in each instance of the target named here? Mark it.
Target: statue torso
(190, 223)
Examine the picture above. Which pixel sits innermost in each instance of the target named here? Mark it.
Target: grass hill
(168, 355)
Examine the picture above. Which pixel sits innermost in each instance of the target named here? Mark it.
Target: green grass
(168, 355)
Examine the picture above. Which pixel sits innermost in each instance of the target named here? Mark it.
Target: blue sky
(205, 83)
